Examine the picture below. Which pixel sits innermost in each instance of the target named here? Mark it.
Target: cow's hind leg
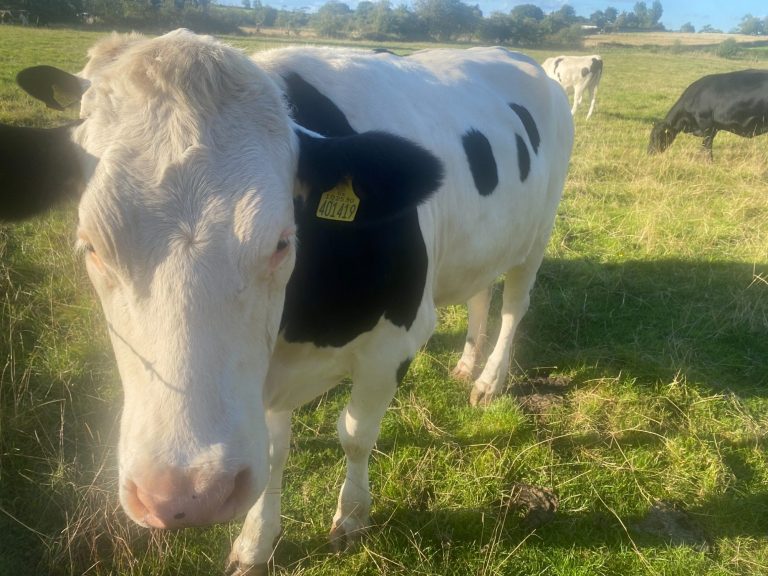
(474, 345)
(253, 547)
(593, 96)
(517, 287)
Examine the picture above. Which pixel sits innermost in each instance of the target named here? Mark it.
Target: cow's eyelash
(83, 247)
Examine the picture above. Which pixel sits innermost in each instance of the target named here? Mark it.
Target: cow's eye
(86, 247)
(282, 244)
(282, 249)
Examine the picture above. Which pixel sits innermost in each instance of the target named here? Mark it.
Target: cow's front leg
(358, 427)
(253, 547)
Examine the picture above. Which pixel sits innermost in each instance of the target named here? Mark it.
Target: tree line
(425, 20)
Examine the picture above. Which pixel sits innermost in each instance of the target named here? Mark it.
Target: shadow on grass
(502, 529)
(654, 321)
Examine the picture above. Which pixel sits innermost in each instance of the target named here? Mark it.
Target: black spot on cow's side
(482, 164)
(530, 125)
(584, 72)
(314, 110)
(523, 158)
(180, 516)
(402, 370)
(557, 63)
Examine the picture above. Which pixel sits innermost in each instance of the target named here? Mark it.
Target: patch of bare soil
(537, 506)
(673, 524)
(539, 396)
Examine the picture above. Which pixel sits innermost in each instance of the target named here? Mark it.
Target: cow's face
(186, 226)
(662, 137)
(188, 166)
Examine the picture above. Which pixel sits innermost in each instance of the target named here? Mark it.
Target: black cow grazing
(734, 101)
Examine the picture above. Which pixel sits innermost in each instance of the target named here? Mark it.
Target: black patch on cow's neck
(348, 275)
(402, 370)
(523, 158)
(347, 278)
(530, 125)
(482, 164)
(313, 110)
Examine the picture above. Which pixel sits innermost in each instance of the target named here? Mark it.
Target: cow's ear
(56, 88)
(365, 178)
(38, 168)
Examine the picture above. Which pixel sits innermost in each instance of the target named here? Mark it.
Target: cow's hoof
(462, 372)
(239, 565)
(237, 568)
(346, 535)
(481, 395)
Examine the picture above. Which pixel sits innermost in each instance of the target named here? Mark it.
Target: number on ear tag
(339, 203)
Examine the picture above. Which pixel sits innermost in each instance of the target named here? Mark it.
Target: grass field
(638, 398)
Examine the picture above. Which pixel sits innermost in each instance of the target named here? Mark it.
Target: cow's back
(500, 127)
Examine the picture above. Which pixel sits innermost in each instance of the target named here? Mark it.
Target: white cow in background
(578, 72)
(259, 229)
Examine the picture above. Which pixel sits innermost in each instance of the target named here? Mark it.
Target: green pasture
(638, 396)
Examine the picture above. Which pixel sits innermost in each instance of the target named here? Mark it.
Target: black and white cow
(581, 73)
(734, 102)
(258, 229)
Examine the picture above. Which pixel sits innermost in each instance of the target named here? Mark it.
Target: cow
(735, 102)
(258, 229)
(578, 72)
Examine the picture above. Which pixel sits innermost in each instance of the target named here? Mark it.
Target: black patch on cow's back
(482, 164)
(523, 158)
(313, 110)
(530, 125)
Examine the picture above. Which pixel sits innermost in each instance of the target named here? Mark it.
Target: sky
(724, 15)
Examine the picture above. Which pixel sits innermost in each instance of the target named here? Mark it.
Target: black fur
(39, 167)
(523, 158)
(350, 274)
(482, 164)
(530, 125)
(313, 110)
(389, 174)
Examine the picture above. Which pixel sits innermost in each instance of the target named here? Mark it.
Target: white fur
(567, 70)
(192, 191)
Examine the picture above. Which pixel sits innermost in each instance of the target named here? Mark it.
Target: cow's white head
(187, 165)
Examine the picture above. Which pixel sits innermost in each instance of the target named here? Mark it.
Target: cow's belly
(487, 236)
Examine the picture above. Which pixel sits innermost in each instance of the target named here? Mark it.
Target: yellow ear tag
(339, 203)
